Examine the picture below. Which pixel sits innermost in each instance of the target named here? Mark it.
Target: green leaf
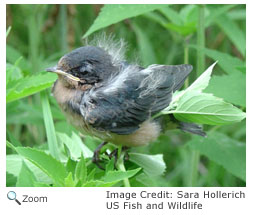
(227, 62)
(11, 180)
(205, 108)
(68, 181)
(189, 13)
(110, 165)
(152, 165)
(12, 55)
(98, 183)
(113, 176)
(223, 150)
(28, 86)
(145, 46)
(14, 164)
(13, 72)
(198, 85)
(26, 178)
(46, 163)
(91, 175)
(75, 145)
(49, 125)
(172, 15)
(203, 80)
(233, 32)
(113, 13)
(81, 170)
(184, 30)
(71, 166)
(216, 12)
(232, 88)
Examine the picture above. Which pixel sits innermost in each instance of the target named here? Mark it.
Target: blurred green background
(41, 34)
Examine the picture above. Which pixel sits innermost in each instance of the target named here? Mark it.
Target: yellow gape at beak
(60, 72)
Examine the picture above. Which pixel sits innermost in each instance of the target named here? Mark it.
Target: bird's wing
(131, 97)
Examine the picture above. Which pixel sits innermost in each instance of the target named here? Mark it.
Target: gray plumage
(133, 95)
(105, 96)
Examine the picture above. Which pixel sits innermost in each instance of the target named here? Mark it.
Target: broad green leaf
(145, 46)
(113, 13)
(75, 145)
(227, 62)
(142, 180)
(223, 150)
(206, 109)
(87, 153)
(98, 183)
(233, 32)
(152, 165)
(39, 184)
(198, 85)
(26, 178)
(81, 170)
(14, 164)
(112, 176)
(203, 80)
(29, 85)
(232, 88)
(46, 163)
(49, 125)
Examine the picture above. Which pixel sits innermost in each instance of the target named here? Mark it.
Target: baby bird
(103, 95)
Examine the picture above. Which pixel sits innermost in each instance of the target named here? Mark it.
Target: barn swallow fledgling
(104, 96)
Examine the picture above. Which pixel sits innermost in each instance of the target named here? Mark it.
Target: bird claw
(96, 160)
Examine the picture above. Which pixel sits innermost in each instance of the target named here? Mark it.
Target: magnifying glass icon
(11, 195)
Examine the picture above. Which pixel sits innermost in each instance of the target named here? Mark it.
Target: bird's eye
(86, 68)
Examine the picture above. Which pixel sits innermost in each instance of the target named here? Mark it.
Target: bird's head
(87, 65)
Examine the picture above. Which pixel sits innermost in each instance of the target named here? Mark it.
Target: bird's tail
(191, 128)
(170, 122)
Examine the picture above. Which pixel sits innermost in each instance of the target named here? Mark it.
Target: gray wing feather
(141, 94)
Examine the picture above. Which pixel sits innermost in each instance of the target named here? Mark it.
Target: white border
(92, 200)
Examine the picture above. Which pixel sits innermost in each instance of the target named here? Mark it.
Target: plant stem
(63, 28)
(120, 166)
(49, 125)
(201, 41)
(195, 157)
(186, 61)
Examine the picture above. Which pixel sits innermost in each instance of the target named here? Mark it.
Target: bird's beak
(60, 72)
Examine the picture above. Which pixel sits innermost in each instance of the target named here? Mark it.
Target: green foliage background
(44, 150)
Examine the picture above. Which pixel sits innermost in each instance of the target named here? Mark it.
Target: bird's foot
(95, 159)
(114, 154)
